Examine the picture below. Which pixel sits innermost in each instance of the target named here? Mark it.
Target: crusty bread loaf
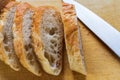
(72, 39)
(22, 38)
(48, 39)
(7, 53)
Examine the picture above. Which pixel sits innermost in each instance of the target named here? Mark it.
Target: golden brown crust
(3, 3)
(71, 31)
(10, 4)
(2, 55)
(17, 28)
(36, 33)
(38, 45)
(18, 37)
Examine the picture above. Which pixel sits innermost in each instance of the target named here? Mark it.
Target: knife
(104, 31)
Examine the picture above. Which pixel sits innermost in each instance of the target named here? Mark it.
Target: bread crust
(72, 39)
(18, 38)
(38, 45)
(3, 3)
(3, 55)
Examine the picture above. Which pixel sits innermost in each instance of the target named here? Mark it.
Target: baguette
(7, 53)
(72, 39)
(48, 39)
(22, 38)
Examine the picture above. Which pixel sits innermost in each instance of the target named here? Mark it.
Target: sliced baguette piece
(72, 39)
(48, 39)
(22, 38)
(7, 53)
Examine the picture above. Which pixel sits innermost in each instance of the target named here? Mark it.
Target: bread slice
(7, 53)
(22, 38)
(72, 39)
(48, 39)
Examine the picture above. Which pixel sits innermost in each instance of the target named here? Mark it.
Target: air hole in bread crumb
(54, 52)
(10, 55)
(30, 46)
(5, 39)
(52, 47)
(55, 44)
(52, 41)
(30, 56)
(52, 32)
(32, 62)
(47, 55)
(58, 63)
(50, 58)
(59, 55)
(27, 47)
(7, 48)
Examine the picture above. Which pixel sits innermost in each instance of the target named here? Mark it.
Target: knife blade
(104, 31)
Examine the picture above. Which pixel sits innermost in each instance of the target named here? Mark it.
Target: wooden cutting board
(101, 62)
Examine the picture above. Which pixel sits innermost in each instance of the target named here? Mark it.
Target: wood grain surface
(101, 62)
